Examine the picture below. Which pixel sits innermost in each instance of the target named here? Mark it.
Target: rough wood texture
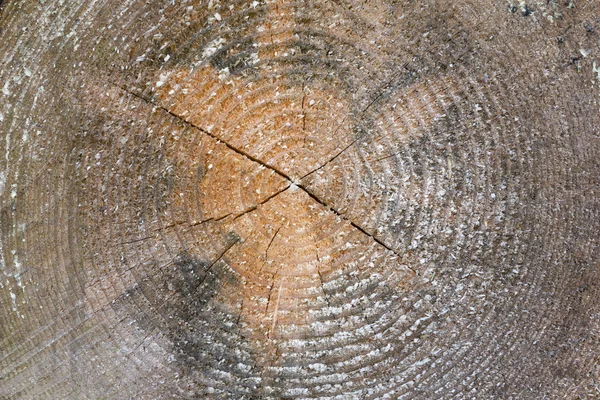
(277, 199)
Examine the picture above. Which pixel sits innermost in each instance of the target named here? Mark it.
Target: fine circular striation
(290, 199)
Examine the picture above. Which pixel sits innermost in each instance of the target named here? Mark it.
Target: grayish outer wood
(378, 199)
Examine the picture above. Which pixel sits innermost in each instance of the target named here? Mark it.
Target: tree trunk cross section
(300, 199)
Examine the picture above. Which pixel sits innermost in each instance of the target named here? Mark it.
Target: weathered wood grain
(300, 199)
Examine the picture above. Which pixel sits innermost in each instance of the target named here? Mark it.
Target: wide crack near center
(290, 181)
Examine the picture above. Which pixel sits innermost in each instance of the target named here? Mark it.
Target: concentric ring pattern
(290, 199)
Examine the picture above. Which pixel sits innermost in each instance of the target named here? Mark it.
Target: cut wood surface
(300, 199)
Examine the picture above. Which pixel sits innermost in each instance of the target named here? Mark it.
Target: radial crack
(207, 133)
(386, 157)
(331, 159)
(243, 212)
(271, 289)
(270, 243)
(276, 311)
(377, 97)
(237, 322)
(212, 264)
(303, 111)
(137, 240)
(272, 168)
(254, 207)
(355, 225)
(196, 223)
(325, 295)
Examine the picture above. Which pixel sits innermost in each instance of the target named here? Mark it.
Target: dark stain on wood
(183, 301)
(235, 57)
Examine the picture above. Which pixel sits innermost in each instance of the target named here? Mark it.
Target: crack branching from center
(282, 174)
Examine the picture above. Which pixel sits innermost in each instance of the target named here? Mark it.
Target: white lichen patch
(162, 80)
(6, 88)
(596, 70)
(584, 52)
(318, 367)
(13, 298)
(224, 74)
(212, 47)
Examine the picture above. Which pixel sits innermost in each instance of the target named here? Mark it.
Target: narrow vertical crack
(325, 295)
(303, 109)
(274, 324)
(271, 289)
(239, 317)
(207, 270)
(270, 243)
